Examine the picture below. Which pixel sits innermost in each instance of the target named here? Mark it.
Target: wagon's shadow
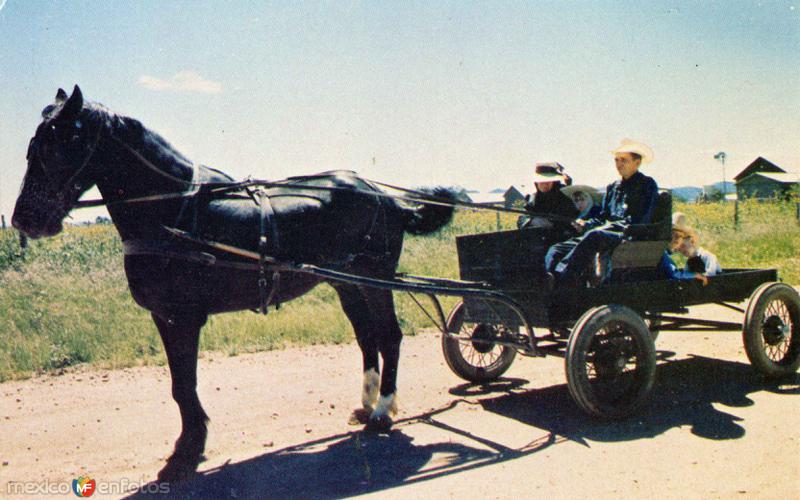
(356, 463)
(684, 394)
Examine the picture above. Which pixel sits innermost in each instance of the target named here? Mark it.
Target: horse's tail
(428, 217)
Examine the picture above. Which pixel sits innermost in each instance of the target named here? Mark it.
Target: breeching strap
(268, 240)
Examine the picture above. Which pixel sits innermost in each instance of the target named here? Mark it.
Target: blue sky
(418, 93)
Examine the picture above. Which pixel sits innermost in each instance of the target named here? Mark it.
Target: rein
(256, 189)
(227, 189)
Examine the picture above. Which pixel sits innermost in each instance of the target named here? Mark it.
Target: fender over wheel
(479, 359)
(610, 361)
(771, 330)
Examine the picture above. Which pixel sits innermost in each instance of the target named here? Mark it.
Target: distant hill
(690, 193)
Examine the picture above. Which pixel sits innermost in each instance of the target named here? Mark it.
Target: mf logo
(83, 486)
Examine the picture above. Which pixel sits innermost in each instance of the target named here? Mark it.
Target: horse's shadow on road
(685, 394)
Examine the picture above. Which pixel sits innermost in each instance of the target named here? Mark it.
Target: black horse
(147, 185)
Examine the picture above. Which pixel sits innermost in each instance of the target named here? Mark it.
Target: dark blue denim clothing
(578, 253)
(629, 201)
(626, 202)
(668, 268)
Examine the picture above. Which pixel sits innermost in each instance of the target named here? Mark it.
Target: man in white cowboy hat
(629, 200)
(549, 201)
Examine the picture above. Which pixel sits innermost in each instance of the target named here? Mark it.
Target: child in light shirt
(700, 263)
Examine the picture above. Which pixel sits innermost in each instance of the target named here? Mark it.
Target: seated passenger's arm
(668, 267)
(601, 216)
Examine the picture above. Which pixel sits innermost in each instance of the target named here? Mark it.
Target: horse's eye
(78, 124)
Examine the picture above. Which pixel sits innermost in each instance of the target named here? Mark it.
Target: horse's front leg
(180, 335)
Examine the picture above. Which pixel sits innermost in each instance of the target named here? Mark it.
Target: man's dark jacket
(626, 202)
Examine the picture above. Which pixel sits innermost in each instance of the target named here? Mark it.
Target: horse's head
(59, 170)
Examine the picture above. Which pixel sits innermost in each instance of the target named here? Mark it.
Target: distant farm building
(763, 179)
(496, 197)
(481, 198)
(513, 195)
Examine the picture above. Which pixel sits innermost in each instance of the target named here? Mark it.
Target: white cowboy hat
(631, 146)
(582, 188)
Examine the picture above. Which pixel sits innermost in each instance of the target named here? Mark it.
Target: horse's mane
(132, 132)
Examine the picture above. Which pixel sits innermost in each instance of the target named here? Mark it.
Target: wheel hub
(774, 330)
(483, 338)
(610, 360)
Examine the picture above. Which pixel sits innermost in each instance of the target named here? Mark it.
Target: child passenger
(700, 263)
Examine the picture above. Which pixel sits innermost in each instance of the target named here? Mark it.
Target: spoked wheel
(611, 361)
(771, 332)
(479, 359)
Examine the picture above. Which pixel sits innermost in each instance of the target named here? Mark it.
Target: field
(65, 300)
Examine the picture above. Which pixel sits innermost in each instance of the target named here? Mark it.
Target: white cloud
(183, 81)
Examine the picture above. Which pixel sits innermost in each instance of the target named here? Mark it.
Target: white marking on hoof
(369, 390)
(387, 406)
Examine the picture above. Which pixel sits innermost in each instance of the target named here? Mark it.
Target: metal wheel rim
(777, 343)
(480, 358)
(613, 365)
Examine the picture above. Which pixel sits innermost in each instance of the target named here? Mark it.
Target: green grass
(66, 301)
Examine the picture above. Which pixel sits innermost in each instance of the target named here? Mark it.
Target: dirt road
(712, 429)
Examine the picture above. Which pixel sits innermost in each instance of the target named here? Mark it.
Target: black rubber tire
(771, 330)
(467, 361)
(602, 346)
(653, 323)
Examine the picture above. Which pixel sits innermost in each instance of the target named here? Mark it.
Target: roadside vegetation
(64, 301)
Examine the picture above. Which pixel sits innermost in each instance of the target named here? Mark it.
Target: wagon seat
(637, 259)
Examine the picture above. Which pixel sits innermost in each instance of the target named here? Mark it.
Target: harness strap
(174, 250)
(268, 240)
(167, 249)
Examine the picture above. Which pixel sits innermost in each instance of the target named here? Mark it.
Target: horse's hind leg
(357, 310)
(180, 335)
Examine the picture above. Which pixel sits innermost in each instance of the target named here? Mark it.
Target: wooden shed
(512, 196)
(763, 179)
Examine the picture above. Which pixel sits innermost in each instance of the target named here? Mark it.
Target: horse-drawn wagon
(197, 242)
(606, 332)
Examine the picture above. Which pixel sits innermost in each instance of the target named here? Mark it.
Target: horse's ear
(61, 96)
(74, 104)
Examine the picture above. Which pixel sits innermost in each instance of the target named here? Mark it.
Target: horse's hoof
(176, 471)
(360, 416)
(380, 425)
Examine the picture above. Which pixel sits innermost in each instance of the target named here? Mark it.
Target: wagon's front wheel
(610, 362)
(771, 332)
(475, 356)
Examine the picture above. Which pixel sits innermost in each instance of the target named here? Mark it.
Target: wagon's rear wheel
(771, 332)
(611, 361)
(479, 359)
